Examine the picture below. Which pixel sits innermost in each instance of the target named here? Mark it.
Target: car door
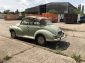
(25, 26)
(34, 27)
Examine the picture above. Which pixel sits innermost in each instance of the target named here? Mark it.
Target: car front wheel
(41, 40)
(13, 34)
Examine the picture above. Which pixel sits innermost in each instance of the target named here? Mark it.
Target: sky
(21, 5)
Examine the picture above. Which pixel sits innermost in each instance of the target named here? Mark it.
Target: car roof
(36, 17)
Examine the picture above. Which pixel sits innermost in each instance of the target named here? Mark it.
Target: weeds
(7, 57)
(77, 58)
(59, 52)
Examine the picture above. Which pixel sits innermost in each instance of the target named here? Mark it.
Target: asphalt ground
(20, 48)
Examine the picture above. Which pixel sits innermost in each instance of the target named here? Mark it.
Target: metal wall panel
(60, 7)
(71, 8)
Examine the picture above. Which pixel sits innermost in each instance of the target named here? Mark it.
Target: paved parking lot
(19, 48)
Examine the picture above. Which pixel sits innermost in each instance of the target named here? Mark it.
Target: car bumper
(58, 39)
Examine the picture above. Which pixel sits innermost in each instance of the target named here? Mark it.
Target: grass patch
(7, 57)
(77, 58)
(59, 52)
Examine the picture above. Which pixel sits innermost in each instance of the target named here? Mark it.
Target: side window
(34, 22)
(42, 22)
(25, 21)
(31, 21)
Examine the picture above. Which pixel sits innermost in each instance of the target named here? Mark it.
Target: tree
(17, 12)
(77, 11)
(83, 9)
(52, 11)
(0, 13)
(23, 14)
(6, 12)
(12, 13)
(79, 7)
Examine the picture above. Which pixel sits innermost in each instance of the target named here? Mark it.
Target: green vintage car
(39, 28)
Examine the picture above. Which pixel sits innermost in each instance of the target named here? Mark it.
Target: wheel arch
(39, 35)
(47, 34)
(12, 30)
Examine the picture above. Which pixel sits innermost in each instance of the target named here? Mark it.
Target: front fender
(47, 34)
(18, 30)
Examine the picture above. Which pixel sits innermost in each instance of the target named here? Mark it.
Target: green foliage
(52, 11)
(7, 57)
(83, 9)
(76, 11)
(59, 52)
(6, 12)
(79, 7)
(17, 12)
(77, 58)
(12, 13)
(0, 12)
(23, 14)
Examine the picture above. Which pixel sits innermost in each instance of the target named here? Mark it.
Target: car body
(82, 20)
(39, 28)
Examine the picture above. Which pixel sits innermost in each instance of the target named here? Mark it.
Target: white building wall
(78, 17)
(60, 16)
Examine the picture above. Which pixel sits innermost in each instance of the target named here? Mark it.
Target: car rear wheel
(13, 34)
(41, 40)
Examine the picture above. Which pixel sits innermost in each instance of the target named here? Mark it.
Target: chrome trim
(26, 36)
(58, 39)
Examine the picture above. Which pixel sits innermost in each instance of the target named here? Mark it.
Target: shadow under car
(62, 45)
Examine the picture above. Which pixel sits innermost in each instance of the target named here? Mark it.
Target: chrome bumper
(58, 39)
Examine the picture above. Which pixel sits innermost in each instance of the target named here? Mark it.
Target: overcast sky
(23, 4)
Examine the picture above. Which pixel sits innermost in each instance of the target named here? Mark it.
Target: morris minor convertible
(40, 29)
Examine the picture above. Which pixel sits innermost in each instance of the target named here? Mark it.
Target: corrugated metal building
(60, 7)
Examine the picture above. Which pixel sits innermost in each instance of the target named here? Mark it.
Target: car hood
(54, 29)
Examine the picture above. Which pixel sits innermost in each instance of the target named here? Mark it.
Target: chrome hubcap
(41, 40)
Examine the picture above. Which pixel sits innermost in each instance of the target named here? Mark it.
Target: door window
(34, 22)
(25, 21)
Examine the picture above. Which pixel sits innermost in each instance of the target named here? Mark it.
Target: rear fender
(47, 34)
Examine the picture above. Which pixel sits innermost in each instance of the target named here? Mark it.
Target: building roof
(49, 3)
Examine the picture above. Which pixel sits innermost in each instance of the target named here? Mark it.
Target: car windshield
(45, 22)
